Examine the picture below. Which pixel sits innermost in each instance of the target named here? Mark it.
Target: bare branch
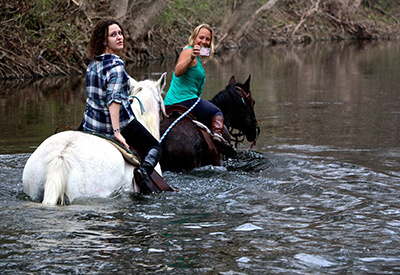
(249, 23)
(314, 9)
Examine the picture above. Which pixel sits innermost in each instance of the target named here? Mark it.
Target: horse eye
(254, 102)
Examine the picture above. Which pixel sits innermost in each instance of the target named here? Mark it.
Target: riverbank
(42, 38)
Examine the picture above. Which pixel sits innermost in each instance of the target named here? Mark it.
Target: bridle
(246, 97)
(239, 136)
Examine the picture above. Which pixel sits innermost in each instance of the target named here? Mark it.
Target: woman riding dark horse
(188, 81)
(186, 145)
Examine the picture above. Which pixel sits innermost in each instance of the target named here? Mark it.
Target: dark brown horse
(187, 146)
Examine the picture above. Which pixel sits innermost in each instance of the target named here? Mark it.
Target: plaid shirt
(106, 82)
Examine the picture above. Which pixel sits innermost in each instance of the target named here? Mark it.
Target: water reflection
(315, 89)
(31, 110)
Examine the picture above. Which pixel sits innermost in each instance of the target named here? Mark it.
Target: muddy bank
(42, 38)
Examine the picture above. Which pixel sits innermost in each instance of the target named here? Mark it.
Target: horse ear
(132, 84)
(247, 83)
(232, 80)
(162, 81)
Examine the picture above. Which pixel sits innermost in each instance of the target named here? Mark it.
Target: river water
(318, 194)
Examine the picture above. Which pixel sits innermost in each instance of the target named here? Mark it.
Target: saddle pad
(128, 155)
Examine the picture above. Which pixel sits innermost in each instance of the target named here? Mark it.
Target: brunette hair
(99, 35)
(195, 33)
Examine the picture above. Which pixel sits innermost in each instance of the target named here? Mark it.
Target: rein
(236, 137)
(142, 110)
(245, 96)
(178, 119)
(239, 136)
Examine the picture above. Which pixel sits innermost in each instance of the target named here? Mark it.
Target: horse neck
(225, 100)
(150, 117)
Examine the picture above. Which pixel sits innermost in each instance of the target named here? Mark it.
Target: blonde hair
(195, 33)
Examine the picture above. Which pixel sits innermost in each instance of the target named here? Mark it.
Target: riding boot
(143, 172)
(217, 128)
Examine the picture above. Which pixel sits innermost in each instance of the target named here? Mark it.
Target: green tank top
(187, 86)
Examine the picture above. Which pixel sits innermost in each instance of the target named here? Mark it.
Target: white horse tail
(58, 167)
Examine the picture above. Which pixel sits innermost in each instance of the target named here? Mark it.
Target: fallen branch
(341, 23)
(386, 14)
(305, 16)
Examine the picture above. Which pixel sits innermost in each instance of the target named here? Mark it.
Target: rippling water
(318, 195)
(259, 213)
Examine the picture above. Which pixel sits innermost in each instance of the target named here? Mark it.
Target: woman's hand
(195, 52)
(118, 137)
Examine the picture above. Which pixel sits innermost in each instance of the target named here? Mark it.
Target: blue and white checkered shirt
(106, 82)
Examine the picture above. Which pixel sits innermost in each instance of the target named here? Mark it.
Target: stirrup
(142, 180)
(223, 146)
(218, 137)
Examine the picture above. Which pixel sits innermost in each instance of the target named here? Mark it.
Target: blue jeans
(204, 110)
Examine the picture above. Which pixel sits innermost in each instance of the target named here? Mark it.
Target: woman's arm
(186, 60)
(114, 114)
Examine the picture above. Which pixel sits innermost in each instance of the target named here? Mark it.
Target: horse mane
(148, 105)
(235, 90)
(222, 96)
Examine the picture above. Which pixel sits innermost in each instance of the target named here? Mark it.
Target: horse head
(147, 102)
(237, 105)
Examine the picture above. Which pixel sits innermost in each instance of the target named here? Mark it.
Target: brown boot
(217, 128)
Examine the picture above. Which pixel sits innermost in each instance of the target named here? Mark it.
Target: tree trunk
(121, 7)
(228, 25)
(144, 20)
(248, 25)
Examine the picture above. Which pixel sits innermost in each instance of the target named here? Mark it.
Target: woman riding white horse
(108, 109)
(74, 164)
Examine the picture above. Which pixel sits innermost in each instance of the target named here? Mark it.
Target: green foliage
(182, 10)
(387, 5)
(44, 5)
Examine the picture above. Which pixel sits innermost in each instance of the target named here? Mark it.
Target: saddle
(176, 110)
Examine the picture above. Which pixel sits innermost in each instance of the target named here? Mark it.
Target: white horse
(72, 164)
